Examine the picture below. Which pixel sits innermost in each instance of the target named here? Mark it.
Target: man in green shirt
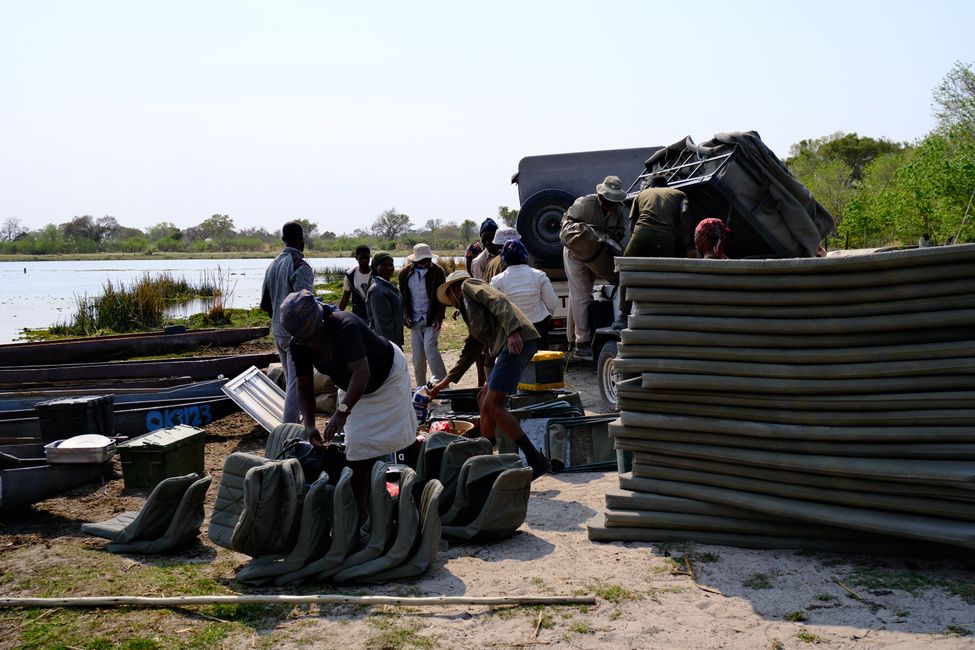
(496, 325)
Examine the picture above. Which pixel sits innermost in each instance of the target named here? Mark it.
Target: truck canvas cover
(736, 178)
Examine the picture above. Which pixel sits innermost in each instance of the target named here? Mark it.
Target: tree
(164, 230)
(11, 229)
(854, 151)
(433, 225)
(218, 226)
(468, 229)
(509, 216)
(86, 228)
(954, 99)
(391, 225)
(309, 228)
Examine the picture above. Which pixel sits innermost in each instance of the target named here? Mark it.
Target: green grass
(809, 637)
(758, 581)
(825, 597)
(797, 616)
(392, 632)
(913, 582)
(957, 630)
(613, 593)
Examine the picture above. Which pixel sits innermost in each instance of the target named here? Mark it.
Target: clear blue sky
(336, 111)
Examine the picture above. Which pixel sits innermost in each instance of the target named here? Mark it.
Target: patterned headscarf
(514, 252)
(713, 232)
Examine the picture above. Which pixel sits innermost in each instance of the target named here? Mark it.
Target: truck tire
(607, 375)
(539, 221)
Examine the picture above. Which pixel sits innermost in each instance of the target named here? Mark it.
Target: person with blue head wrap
(528, 289)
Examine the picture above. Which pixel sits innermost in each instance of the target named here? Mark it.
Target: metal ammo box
(149, 458)
(65, 417)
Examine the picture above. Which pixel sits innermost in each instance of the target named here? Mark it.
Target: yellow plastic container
(545, 372)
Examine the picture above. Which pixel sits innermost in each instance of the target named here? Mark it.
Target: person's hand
(456, 314)
(515, 344)
(432, 392)
(316, 439)
(335, 425)
(436, 325)
(408, 321)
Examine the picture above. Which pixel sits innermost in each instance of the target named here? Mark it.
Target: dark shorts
(508, 368)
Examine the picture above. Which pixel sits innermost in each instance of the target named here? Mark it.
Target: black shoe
(620, 323)
(584, 351)
(540, 467)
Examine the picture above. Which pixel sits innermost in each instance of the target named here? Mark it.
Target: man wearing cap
(487, 231)
(288, 272)
(374, 407)
(494, 323)
(592, 233)
(422, 312)
(502, 236)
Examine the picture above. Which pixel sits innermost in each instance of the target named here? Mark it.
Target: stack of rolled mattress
(798, 403)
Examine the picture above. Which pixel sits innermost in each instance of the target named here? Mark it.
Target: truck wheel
(607, 375)
(539, 221)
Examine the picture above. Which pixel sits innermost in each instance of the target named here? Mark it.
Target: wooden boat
(26, 477)
(192, 368)
(122, 394)
(121, 346)
(129, 419)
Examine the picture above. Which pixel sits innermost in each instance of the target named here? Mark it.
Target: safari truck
(733, 176)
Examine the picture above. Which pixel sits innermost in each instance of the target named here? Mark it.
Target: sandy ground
(646, 597)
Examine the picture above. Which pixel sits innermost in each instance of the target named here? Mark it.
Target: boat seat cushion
(312, 542)
(183, 528)
(150, 522)
(345, 533)
(257, 505)
(492, 499)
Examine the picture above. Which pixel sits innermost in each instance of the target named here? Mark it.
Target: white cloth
(360, 279)
(383, 421)
(418, 294)
(528, 289)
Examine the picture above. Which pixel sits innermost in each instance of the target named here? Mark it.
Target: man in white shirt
(356, 283)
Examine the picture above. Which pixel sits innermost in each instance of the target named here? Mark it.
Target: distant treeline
(889, 193)
(392, 231)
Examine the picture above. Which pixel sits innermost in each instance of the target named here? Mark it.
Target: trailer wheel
(539, 221)
(607, 375)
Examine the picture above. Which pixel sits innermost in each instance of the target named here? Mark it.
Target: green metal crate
(149, 458)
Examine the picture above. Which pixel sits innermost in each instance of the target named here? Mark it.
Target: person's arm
(303, 278)
(469, 354)
(357, 386)
(439, 311)
(382, 313)
(686, 230)
(344, 302)
(549, 299)
(306, 404)
(404, 292)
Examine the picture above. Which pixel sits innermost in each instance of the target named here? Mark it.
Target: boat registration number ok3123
(194, 415)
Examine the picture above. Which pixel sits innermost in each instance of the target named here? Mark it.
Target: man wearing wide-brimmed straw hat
(498, 326)
(422, 312)
(592, 233)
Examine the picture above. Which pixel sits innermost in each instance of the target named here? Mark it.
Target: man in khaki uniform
(498, 326)
(592, 233)
(660, 222)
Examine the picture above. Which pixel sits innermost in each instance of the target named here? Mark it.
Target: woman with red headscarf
(709, 239)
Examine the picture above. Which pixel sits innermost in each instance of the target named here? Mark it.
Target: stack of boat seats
(803, 403)
(485, 495)
(307, 533)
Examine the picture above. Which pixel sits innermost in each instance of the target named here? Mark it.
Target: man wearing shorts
(494, 324)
